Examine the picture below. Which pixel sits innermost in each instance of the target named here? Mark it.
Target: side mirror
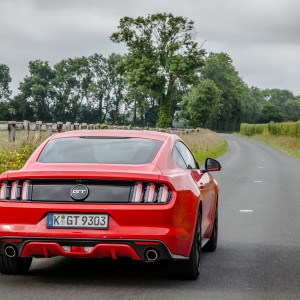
(212, 165)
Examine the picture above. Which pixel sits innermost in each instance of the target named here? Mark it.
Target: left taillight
(15, 190)
(3, 186)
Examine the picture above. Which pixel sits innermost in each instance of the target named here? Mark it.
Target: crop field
(204, 143)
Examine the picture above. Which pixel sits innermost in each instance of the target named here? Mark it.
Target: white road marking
(257, 181)
(260, 167)
(246, 210)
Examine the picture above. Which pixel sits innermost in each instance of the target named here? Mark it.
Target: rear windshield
(100, 150)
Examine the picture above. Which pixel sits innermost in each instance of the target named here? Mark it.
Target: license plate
(95, 221)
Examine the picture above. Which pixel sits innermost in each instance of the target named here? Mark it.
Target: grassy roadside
(204, 143)
(14, 155)
(288, 145)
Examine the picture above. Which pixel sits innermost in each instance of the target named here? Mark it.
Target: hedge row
(283, 129)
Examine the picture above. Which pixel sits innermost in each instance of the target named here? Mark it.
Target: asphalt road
(258, 255)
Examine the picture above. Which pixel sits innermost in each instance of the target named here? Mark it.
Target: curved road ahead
(258, 256)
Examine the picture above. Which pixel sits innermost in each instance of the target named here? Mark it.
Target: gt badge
(79, 192)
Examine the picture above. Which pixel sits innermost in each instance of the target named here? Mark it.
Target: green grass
(288, 145)
(14, 155)
(203, 144)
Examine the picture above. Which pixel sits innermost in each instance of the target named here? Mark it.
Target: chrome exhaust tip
(151, 254)
(10, 251)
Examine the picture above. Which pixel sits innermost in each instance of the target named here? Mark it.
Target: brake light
(151, 193)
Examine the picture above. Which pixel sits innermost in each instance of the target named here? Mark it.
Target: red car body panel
(132, 227)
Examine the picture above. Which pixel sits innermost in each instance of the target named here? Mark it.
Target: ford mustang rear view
(110, 194)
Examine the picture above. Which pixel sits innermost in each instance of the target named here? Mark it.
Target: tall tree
(292, 110)
(107, 89)
(219, 68)
(271, 113)
(201, 107)
(5, 80)
(161, 51)
(252, 105)
(71, 83)
(36, 89)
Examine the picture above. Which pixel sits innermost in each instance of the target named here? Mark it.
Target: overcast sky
(261, 36)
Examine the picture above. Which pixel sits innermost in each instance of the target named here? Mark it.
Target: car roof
(147, 134)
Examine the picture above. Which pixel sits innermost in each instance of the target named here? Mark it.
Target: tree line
(164, 79)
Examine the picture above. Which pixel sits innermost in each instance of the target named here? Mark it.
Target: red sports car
(109, 193)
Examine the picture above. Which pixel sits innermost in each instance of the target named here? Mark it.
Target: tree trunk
(165, 108)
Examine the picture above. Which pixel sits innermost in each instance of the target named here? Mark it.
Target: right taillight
(148, 193)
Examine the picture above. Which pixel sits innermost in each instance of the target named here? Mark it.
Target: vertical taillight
(25, 190)
(2, 190)
(15, 190)
(163, 194)
(151, 193)
(137, 193)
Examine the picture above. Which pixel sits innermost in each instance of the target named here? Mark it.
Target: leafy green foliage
(201, 107)
(162, 51)
(5, 79)
(291, 129)
(219, 68)
(164, 75)
(37, 90)
(271, 113)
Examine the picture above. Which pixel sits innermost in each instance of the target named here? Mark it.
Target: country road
(258, 255)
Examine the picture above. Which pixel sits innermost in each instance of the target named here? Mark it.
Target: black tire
(190, 268)
(212, 244)
(14, 265)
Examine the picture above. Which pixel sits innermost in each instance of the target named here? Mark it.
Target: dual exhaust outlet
(10, 251)
(151, 254)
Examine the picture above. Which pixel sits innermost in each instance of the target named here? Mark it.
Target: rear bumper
(171, 226)
(142, 250)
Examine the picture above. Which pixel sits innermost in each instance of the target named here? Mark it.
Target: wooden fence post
(49, 129)
(26, 130)
(59, 126)
(83, 126)
(38, 128)
(68, 126)
(11, 131)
